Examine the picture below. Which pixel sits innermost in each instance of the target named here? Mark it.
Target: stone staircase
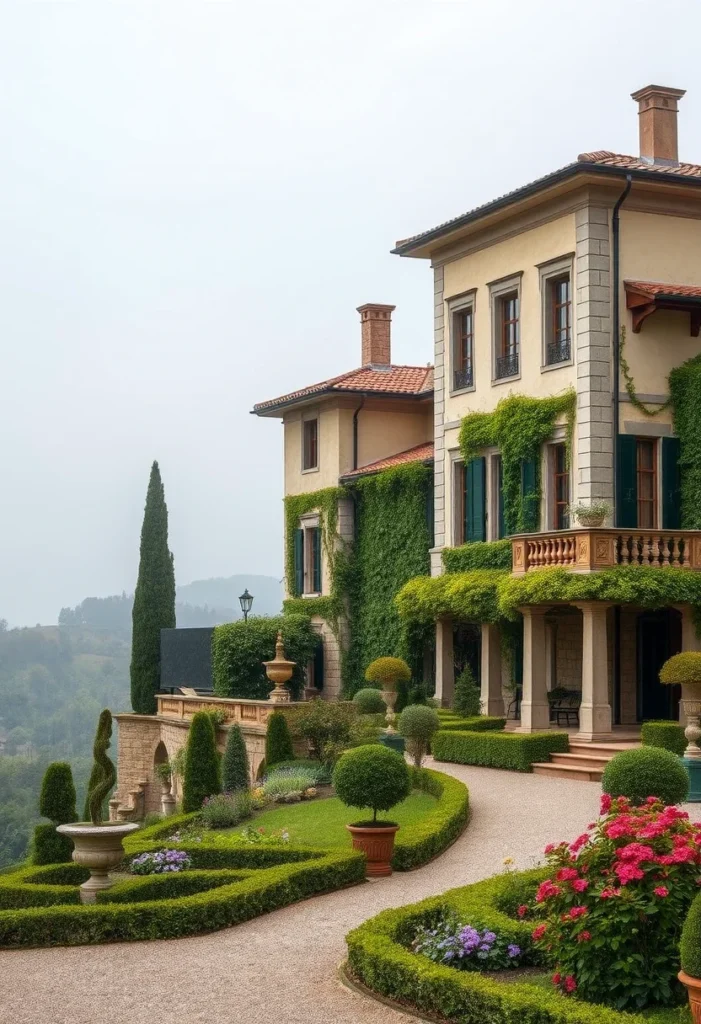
(585, 761)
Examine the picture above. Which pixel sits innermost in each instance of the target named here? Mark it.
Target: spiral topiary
(369, 701)
(644, 772)
(388, 672)
(104, 774)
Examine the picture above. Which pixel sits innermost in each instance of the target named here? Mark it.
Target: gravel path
(281, 969)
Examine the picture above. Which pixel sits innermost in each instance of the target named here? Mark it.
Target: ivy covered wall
(685, 397)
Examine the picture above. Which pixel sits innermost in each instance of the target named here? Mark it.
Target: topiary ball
(647, 771)
(690, 946)
(372, 776)
(417, 722)
(369, 701)
(684, 668)
(388, 672)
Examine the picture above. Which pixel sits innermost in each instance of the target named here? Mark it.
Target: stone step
(605, 750)
(567, 771)
(581, 760)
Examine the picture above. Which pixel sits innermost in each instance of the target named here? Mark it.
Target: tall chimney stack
(657, 110)
(375, 328)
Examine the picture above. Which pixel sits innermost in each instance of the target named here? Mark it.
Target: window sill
(461, 391)
(313, 593)
(505, 380)
(547, 367)
(312, 469)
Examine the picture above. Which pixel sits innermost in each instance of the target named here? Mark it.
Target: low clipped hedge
(515, 752)
(429, 837)
(379, 958)
(669, 735)
(139, 888)
(480, 723)
(42, 886)
(256, 893)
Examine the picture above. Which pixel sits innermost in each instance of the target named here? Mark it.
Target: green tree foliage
(202, 776)
(278, 741)
(240, 648)
(402, 700)
(388, 672)
(417, 724)
(56, 802)
(684, 390)
(235, 767)
(372, 776)
(324, 724)
(369, 701)
(154, 599)
(466, 700)
(104, 774)
(647, 771)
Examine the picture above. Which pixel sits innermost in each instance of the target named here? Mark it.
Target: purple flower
(513, 951)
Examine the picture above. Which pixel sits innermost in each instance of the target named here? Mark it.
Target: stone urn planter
(590, 516)
(693, 988)
(388, 672)
(377, 843)
(99, 848)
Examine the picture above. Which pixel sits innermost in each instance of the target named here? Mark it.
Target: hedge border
(378, 960)
(506, 750)
(27, 888)
(439, 829)
(668, 735)
(481, 723)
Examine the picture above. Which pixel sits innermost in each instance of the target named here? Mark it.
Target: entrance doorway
(659, 636)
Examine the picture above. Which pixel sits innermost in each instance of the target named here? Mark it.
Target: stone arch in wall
(152, 799)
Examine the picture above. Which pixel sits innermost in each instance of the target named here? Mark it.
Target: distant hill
(222, 592)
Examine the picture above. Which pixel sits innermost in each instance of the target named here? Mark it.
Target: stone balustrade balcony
(589, 549)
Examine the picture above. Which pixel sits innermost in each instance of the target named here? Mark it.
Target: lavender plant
(160, 862)
(467, 948)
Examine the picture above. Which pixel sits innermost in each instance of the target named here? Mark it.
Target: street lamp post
(246, 601)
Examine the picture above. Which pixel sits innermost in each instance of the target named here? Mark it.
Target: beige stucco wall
(382, 433)
(297, 480)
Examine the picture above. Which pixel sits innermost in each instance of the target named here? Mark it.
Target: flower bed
(510, 750)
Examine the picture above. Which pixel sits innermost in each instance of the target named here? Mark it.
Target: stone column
(595, 710)
(551, 654)
(690, 642)
(535, 710)
(492, 700)
(445, 667)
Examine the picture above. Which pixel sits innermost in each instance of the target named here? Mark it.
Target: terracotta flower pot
(377, 843)
(693, 987)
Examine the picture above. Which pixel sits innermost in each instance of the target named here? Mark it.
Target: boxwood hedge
(416, 845)
(379, 957)
(513, 751)
(480, 723)
(669, 735)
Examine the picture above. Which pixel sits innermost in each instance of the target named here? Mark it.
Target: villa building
(581, 289)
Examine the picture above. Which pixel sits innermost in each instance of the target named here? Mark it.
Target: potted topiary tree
(389, 673)
(377, 777)
(417, 724)
(98, 843)
(690, 949)
(685, 670)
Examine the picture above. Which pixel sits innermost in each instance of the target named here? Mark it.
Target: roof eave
(348, 478)
(272, 410)
(417, 246)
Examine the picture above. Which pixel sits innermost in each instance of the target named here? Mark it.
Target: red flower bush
(612, 912)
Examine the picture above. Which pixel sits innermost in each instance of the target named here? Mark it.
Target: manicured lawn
(321, 822)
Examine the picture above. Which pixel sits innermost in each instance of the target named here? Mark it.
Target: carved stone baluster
(666, 550)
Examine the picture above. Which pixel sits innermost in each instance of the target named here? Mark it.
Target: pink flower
(546, 890)
(584, 937)
(522, 910)
(579, 842)
(653, 800)
(549, 848)
(605, 803)
(628, 873)
(539, 932)
(570, 984)
(576, 912)
(661, 891)
(580, 884)
(608, 894)
(557, 978)
(635, 852)
(567, 874)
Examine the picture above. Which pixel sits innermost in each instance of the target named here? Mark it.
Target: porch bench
(564, 705)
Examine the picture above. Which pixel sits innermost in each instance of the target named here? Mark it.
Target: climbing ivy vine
(685, 394)
(519, 426)
(630, 383)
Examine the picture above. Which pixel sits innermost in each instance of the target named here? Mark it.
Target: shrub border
(379, 961)
(439, 829)
(506, 750)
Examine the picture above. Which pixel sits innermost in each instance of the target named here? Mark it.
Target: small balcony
(506, 366)
(591, 549)
(462, 378)
(559, 352)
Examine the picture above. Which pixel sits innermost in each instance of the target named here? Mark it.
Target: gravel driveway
(281, 968)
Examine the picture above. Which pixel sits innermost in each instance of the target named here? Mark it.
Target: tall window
(561, 487)
(310, 445)
(463, 333)
(647, 483)
(559, 348)
(507, 362)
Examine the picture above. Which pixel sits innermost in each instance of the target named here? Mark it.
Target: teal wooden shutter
(299, 563)
(316, 560)
(671, 484)
(530, 498)
(475, 517)
(627, 483)
(501, 531)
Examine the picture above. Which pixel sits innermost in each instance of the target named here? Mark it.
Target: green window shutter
(316, 560)
(501, 530)
(671, 484)
(475, 509)
(627, 483)
(299, 563)
(530, 497)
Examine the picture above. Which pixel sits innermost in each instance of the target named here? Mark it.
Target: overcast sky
(195, 197)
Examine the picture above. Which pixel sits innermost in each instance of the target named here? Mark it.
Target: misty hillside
(223, 592)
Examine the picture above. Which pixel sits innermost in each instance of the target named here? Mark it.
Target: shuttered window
(529, 496)
(316, 560)
(671, 484)
(475, 500)
(646, 483)
(627, 484)
(637, 491)
(299, 563)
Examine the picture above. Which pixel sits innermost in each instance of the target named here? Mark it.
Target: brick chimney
(375, 327)
(657, 110)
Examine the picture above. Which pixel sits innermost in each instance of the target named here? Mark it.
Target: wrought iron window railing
(462, 378)
(506, 366)
(559, 352)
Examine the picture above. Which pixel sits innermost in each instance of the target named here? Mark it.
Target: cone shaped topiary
(235, 767)
(466, 700)
(103, 775)
(57, 802)
(278, 742)
(202, 777)
(154, 599)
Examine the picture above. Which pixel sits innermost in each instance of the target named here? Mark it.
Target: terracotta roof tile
(391, 380)
(419, 453)
(652, 288)
(634, 163)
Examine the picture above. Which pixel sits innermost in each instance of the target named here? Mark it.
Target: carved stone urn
(98, 848)
(279, 671)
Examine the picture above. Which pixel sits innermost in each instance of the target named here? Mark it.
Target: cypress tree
(202, 776)
(154, 599)
(278, 742)
(57, 802)
(235, 766)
